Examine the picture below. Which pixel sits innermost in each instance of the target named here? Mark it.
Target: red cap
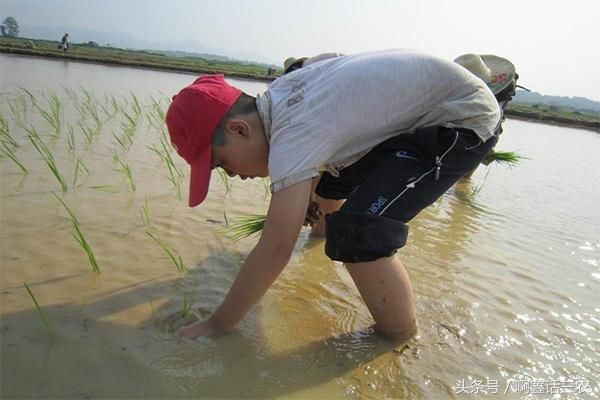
(192, 118)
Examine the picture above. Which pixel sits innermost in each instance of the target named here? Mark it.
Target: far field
(92, 52)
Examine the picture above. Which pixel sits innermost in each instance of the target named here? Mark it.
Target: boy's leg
(386, 290)
(371, 225)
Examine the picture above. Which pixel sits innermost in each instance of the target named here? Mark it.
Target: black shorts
(390, 185)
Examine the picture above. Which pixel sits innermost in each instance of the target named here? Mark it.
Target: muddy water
(506, 275)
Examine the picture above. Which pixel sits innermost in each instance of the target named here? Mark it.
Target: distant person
(499, 75)
(64, 42)
(271, 72)
(395, 141)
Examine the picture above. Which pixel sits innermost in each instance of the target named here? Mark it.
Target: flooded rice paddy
(505, 266)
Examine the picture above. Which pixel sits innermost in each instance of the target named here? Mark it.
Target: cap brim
(200, 177)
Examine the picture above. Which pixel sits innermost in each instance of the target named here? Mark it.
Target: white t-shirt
(327, 115)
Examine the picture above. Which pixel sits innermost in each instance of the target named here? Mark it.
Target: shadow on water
(112, 347)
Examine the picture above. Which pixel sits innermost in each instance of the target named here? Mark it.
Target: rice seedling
(71, 94)
(40, 312)
(77, 103)
(125, 169)
(104, 188)
(145, 212)
(131, 121)
(79, 168)
(172, 253)
(175, 173)
(106, 111)
(129, 127)
(156, 116)
(125, 141)
(510, 158)
(18, 115)
(477, 189)
(158, 109)
(245, 226)
(225, 179)
(186, 307)
(78, 235)
(73, 217)
(53, 115)
(88, 132)
(70, 138)
(114, 103)
(5, 136)
(89, 96)
(9, 152)
(47, 156)
(32, 98)
(90, 107)
(267, 186)
(136, 107)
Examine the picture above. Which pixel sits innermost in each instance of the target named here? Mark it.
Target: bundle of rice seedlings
(247, 225)
(511, 158)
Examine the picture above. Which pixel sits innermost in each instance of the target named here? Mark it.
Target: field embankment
(91, 52)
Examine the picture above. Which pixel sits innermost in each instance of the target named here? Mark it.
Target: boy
(394, 129)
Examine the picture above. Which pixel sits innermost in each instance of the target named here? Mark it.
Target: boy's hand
(200, 328)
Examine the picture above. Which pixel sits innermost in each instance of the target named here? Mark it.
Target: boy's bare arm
(266, 261)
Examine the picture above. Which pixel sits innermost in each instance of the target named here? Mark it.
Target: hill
(568, 103)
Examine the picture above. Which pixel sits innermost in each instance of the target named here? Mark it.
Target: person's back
(326, 114)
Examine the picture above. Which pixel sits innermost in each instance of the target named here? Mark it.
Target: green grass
(40, 312)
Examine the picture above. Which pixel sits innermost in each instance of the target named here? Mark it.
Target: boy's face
(245, 152)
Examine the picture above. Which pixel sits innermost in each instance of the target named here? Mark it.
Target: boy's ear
(238, 126)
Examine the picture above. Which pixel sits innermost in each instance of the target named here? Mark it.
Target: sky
(553, 44)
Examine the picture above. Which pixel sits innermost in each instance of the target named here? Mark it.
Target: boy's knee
(360, 237)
